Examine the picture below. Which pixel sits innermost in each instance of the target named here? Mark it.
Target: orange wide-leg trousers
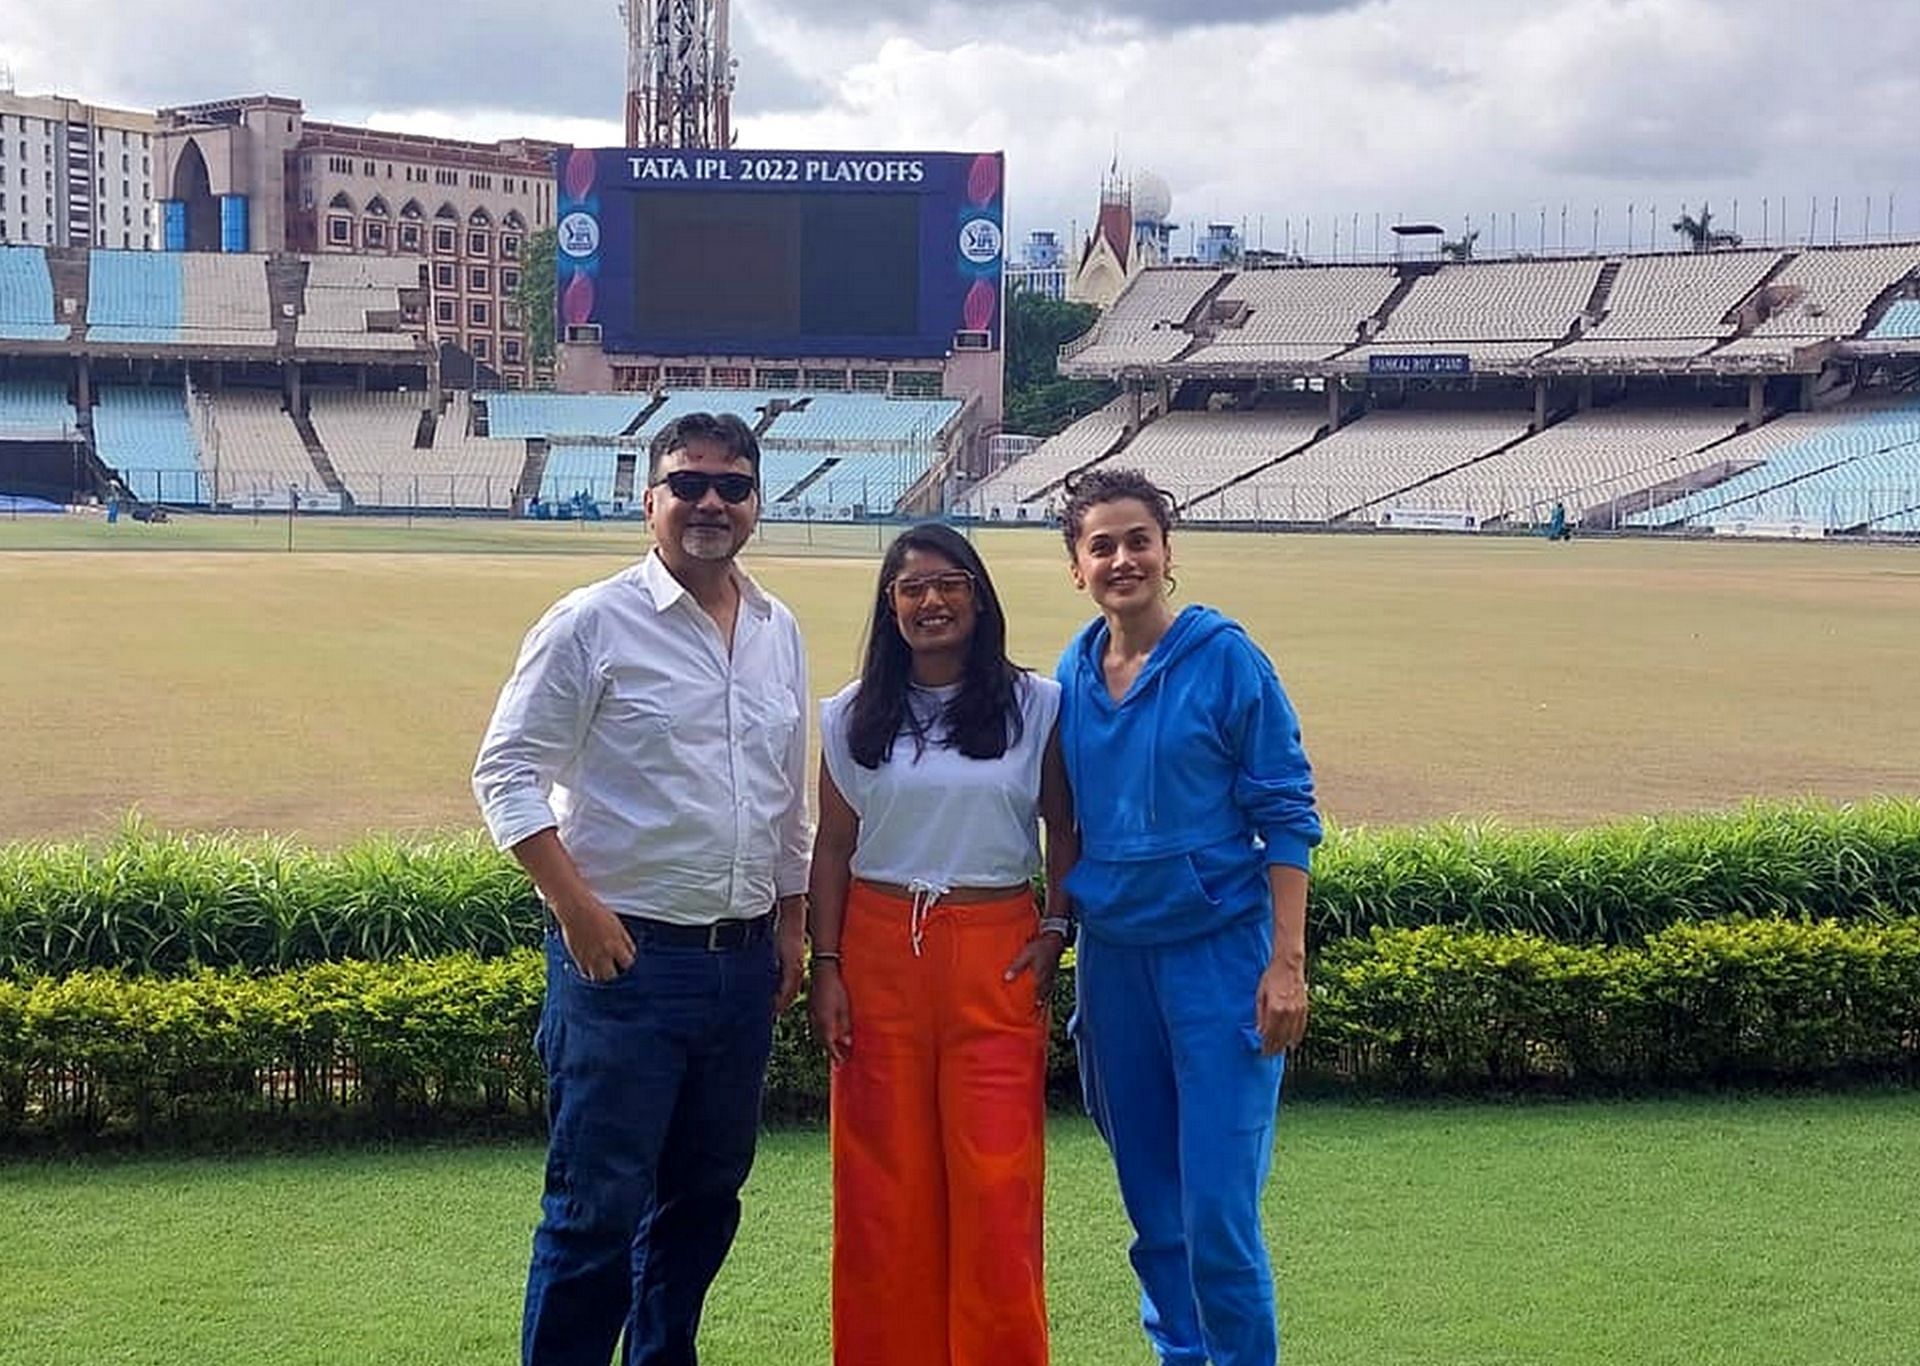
(939, 1155)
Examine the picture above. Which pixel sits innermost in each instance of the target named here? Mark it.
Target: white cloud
(1252, 111)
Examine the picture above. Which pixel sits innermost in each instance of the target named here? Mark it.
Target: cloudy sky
(1264, 113)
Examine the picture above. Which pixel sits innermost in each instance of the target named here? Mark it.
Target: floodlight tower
(679, 73)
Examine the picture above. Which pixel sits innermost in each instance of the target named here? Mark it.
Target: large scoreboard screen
(781, 253)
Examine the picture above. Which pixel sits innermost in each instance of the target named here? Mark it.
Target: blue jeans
(1178, 1087)
(653, 1102)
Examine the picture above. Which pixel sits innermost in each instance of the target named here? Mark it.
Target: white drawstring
(924, 895)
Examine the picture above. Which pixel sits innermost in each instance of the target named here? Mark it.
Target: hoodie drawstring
(924, 894)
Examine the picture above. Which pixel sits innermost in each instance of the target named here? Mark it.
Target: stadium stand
(1583, 462)
(573, 470)
(1838, 468)
(369, 438)
(512, 413)
(36, 410)
(1091, 438)
(1688, 295)
(169, 299)
(255, 450)
(1496, 301)
(1827, 293)
(1352, 469)
(865, 420)
(1189, 453)
(1901, 322)
(147, 437)
(476, 471)
(746, 404)
(1145, 324)
(346, 294)
(783, 471)
(1296, 314)
(870, 480)
(26, 297)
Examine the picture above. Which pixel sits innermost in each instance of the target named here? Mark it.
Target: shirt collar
(665, 590)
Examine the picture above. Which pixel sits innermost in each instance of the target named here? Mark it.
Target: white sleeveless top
(941, 817)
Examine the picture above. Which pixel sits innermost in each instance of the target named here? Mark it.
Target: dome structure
(1152, 199)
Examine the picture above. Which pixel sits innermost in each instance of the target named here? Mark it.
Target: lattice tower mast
(679, 73)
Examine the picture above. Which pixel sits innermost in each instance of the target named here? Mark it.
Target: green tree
(534, 297)
(1700, 233)
(1039, 402)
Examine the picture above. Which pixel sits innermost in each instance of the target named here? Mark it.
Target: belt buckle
(713, 936)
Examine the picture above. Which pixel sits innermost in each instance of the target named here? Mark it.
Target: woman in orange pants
(932, 968)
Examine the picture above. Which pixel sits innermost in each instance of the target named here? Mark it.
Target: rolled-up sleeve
(792, 860)
(537, 728)
(1274, 782)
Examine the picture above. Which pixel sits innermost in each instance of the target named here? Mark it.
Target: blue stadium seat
(26, 297)
(147, 437)
(35, 410)
(135, 296)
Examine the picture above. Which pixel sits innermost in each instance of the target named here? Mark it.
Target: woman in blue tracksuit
(1196, 814)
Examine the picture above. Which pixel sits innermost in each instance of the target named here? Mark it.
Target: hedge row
(153, 903)
(432, 1042)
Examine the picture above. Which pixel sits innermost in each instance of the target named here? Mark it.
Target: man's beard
(707, 541)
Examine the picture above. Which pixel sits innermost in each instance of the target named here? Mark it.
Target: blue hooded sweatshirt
(1187, 788)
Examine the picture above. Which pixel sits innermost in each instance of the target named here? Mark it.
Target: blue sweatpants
(1175, 1081)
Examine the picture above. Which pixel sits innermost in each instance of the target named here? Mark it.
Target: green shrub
(430, 1042)
(152, 903)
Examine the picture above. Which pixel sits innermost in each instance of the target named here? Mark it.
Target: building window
(443, 277)
(443, 239)
(443, 312)
(340, 232)
(481, 348)
(374, 232)
(410, 237)
(476, 244)
(126, 162)
(479, 313)
(510, 246)
(509, 280)
(510, 348)
(126, 191)
(477, 279)
(509, 313)
(103, 189)
(366, 169)
(126, 239)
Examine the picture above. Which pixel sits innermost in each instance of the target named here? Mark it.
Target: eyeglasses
(951, 583)
(690, 486)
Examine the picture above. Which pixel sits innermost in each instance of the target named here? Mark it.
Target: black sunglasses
(690, 486)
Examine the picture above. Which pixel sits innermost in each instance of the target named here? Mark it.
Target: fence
(1493, 504)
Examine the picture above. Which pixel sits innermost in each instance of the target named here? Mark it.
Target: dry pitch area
(199, 672)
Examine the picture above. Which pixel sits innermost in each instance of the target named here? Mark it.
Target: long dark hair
(983, 719)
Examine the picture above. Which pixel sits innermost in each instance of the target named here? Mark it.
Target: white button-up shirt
(674, 771)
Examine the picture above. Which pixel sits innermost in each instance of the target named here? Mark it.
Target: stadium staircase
(423, 434)
(1502, 448)
(626, 467)
(286, 293)
(639, 423)
(1409, 277)
(1599, 301)
(819, 472)
(68, 271)
(322, 463)
(534, 470)
(1321, 433)
(1749, 313)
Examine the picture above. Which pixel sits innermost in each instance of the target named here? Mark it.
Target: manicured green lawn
(1697, 1231)
(214, 681)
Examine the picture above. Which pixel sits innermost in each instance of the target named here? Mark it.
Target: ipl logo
(980, 240)
(579, 235)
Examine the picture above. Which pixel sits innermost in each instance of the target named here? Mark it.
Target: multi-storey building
(74, 174)
(254, 174)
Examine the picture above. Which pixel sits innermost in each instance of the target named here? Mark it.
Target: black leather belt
(718, 937)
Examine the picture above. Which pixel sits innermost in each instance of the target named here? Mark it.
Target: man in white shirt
(646, 764)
